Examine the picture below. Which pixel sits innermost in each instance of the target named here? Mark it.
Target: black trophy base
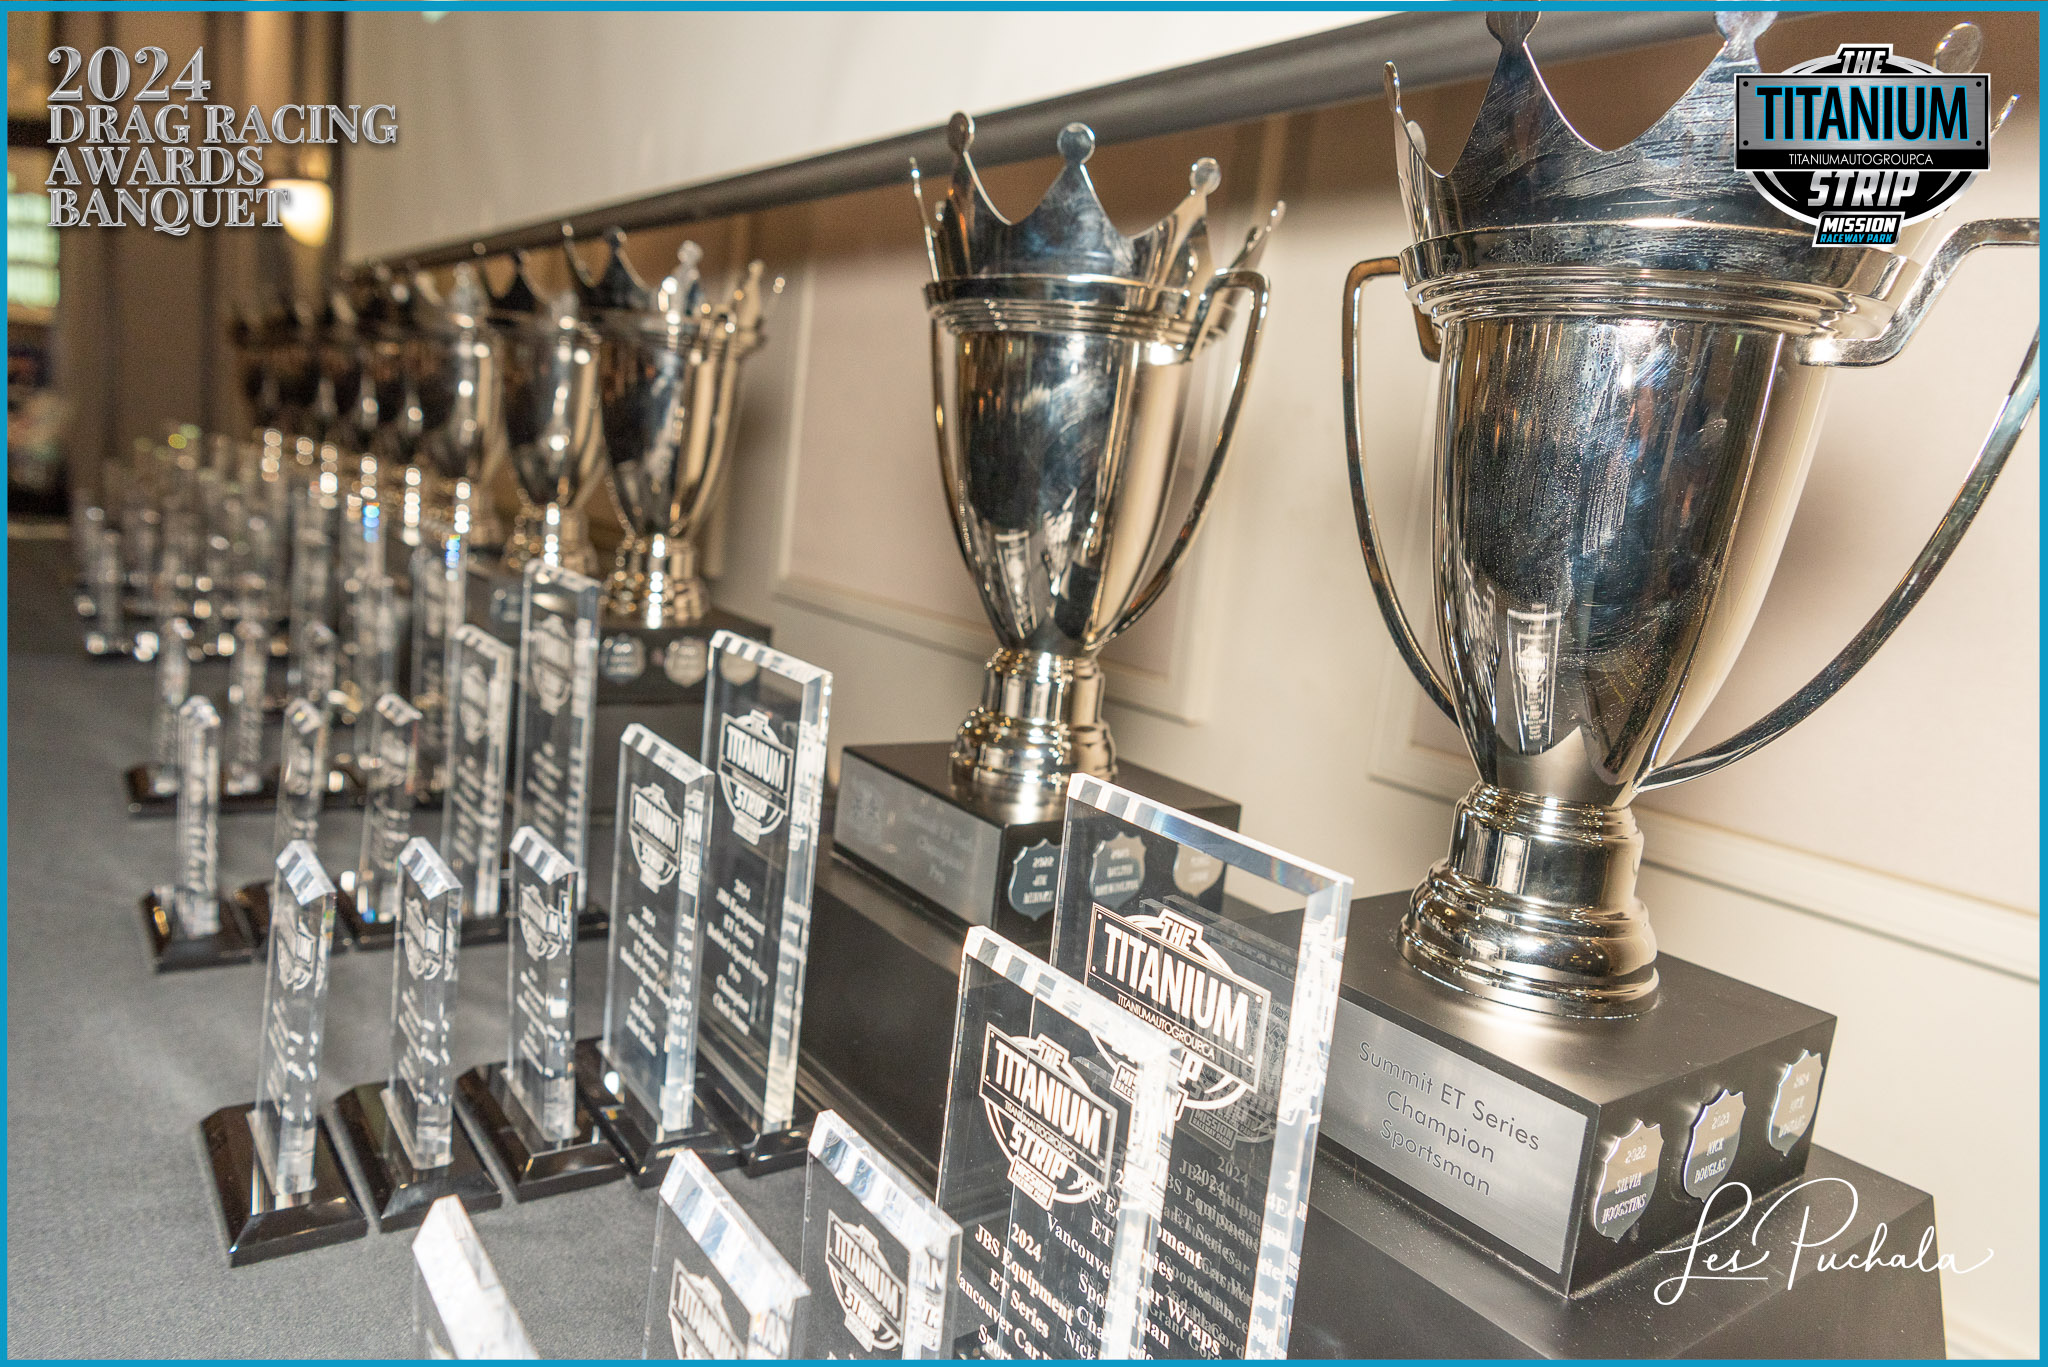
(592, 923)
(759, 1152)
(961, 850)
(145, 799)
(252, 900)
(172, 950)
(1510, 1125)
(484, 930)
(1380, 1278)
(397, 1193)
(533, 1167)
(636, 1134)
(364, 934)
(259, 1223)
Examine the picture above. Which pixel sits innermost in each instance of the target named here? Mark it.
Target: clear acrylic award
(190, 924)
(459, 1308)
(1059, 1124)
(883, 1257)
(301, 783)
(765, 721)
(389, 763)
(527, 1108)
(440, 572)
(1234, 949)
(557, 708)
(718, 1289)
(403, 1132)
(280, 1187)
(153, 787)
(473, 809)
(639, 1078)
(248, 672)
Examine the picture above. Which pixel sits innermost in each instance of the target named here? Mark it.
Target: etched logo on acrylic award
(1716, 1135)
(543, 924)
(1792, 1111)
(1158, 965)
(550, 676)
(1627, 1180)
(296, 956)
(1862, 143)
(754, 770)
(473, 711)
(425, 938)
(869, 1293)
(696, 1318)
(1055, 1131)
(654, 832)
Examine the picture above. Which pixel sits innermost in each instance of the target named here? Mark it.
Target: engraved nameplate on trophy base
(718, 1288)
(1564, 1148)
(884, 1258)
(280, 1188)
(965, 852)
(765, 723)
(403, 1132)
(189, 923)
(526, 1108)
(650, 676)
(1059, 1115)
(459, 1307)
(640, 1077)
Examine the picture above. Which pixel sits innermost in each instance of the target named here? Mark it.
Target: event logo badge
(550, 675)
(544, 925)
(472, 708)
(296, 956)
(871, 1296)
(424, 940)
(754, 769)
(1862, 143)
(1055, 1131)
(655, 833)
(696, 1318)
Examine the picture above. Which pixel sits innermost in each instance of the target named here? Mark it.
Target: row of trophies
(1110, 1153)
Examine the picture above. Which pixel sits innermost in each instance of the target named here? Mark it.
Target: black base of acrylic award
(1383, 1278)
(396, 1193)
(144, 800)
(261, 1224)
(634, 1131)
(534, 1167)
(172, 950)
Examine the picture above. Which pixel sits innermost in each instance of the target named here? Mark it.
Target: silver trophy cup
(549, 383)
(453, 361)
(1062, 356)
(1635, 347)
(668, 383)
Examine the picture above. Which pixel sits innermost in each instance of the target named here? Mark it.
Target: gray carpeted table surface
(115, 1245)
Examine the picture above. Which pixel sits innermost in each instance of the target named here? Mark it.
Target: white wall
(516, 117)
(1880, 863)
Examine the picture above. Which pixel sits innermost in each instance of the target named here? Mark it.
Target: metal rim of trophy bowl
(1535, 904)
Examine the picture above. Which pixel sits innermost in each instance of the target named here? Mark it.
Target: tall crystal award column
(459, 1308)
(153, 787)
(1156, 913)
(190, 924)
(274, 1170)
(765, 721)
(390, 765)
(640, 1078)
(557, 704)
(440, 571)
(1059, 1122)
(479, 724)
(301, 787)
(719, 1289)
(403, 1132)
(889, 1257)
(248, 673)
(526, 1108)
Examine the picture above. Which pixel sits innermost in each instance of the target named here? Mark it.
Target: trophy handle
(2004, 435)
(1361, 498)
(1934, 277)
(1254, 284)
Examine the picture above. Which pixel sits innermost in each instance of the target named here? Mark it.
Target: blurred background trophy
(1634, 347)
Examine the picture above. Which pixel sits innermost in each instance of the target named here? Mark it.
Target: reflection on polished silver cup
(453, 360)
(549, 384)
(1634, 348)
(669, 362)
(1062, 354)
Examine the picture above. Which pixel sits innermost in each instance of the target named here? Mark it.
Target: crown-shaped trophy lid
(468, 300)
(1069, 233)
(518, 302)
(336, 318)
(615, 289)
(1524, 165)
